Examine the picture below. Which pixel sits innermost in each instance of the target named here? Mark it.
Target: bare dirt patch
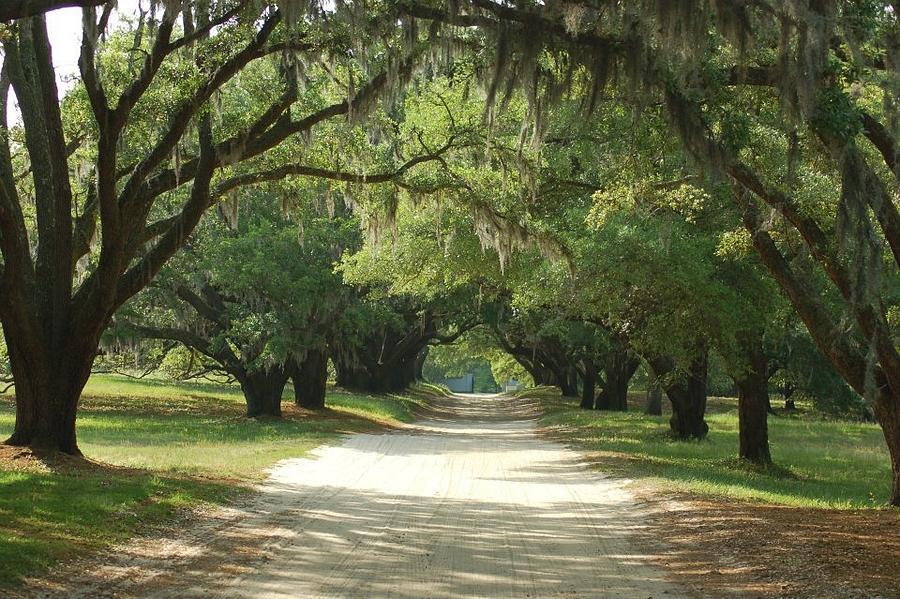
(739, 549)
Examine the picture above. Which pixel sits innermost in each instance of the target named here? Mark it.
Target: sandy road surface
(469, 503)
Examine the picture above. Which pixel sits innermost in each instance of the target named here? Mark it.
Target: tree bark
(20, 9)
(46, 404)
(49, 376)
(753, 403)
(687, 394)
(567, 381)
(377, 378)
(887, 412)
(589, 383)
(420, 364)
(310, 378)
(262, 391)
(654, 395)
(620, 367)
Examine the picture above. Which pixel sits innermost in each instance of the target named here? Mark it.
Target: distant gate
(461, 384)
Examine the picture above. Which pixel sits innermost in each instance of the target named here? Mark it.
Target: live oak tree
(132, 162)
(437, 246)
(411, 304)
(787, 110)
(260, 302)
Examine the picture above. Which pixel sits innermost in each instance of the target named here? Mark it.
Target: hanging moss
(507, 237)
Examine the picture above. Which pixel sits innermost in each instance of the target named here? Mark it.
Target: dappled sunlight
(471, 506)
(823, 463)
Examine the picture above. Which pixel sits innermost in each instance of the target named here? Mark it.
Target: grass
(161, 448)
(818, 462)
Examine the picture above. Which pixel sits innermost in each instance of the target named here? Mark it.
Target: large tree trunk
(567, 381)
(620, 367)
(887, 411)
(542, 376)
(46, 404)
(262, 391)
(753, 403)
(589, 384)
(48, 386)
(377, 378)
(654, 394)
(310, 379)
(687, 395)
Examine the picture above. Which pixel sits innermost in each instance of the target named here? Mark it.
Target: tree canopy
(589, 189)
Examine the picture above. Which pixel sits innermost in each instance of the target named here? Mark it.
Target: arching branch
(19, 9)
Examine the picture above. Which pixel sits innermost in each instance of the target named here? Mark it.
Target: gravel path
(468, 503)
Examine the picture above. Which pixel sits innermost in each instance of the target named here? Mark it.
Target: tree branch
(311, 171)
(19, 9)
(182, 117)
(882, 139)
(806, 300)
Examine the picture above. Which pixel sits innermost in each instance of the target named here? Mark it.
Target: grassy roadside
(159, 448)
(818, 462)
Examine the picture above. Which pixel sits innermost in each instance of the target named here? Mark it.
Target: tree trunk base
(688, 398)
(310, 380)
(43, 446)
(887, 411)
(263, 390)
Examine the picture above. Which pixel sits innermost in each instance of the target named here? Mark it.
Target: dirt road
(468, 503)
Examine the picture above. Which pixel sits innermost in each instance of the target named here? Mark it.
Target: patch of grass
(387, 408)
(818, 462)
(169, 447)
(48, 516)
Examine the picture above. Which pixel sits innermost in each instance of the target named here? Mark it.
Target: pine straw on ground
(727, 548)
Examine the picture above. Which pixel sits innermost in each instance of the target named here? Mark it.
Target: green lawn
(819, 462)
(164, 447)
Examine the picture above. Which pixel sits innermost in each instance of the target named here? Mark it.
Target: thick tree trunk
(887, 412)
(377, 378)
(542, 376)
(420, 364)
(48, 386)
(589, 384)
(567, 381)
(687, 395)
(262, 391)
(654, 394)
(310, 378)
(753, 403)
(566, 378)
(620, 367)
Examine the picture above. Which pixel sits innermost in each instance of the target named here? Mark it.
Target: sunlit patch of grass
(389, 408)
(48, 516)
(170, 447)
(818, 462)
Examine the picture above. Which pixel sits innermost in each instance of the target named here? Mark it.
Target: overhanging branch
(19, 9)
